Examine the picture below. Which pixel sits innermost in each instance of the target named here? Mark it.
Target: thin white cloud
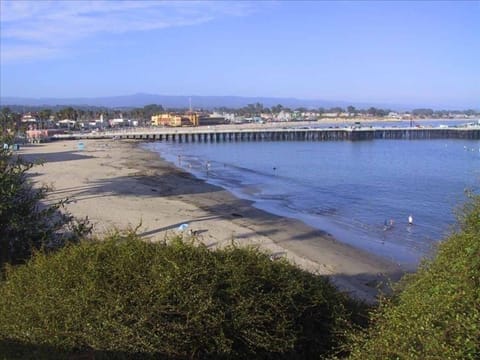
(44, 29)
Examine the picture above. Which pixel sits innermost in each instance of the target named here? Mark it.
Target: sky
(422, 53)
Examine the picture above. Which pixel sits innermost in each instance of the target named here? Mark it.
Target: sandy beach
(119, 185)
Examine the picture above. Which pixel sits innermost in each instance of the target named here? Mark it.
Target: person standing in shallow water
(387, 225)
(207, 167)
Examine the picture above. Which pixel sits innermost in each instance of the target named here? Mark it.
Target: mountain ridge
(197, 101)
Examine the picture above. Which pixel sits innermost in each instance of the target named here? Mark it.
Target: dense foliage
(436, 313)
(124, 297)
(26, 222)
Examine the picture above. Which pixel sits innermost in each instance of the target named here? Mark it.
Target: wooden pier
(284, 134)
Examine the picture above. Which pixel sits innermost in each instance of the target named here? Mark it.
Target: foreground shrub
(436, 314)
(26, 223)
(124, 297)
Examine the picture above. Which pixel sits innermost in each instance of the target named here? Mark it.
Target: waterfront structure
(166, 120)
(205, 134)
(175, 120)
(213, 119)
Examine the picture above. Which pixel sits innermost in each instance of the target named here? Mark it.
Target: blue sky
(406, 52)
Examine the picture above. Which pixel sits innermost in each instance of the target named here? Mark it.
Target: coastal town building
(175, 120)
(66, 124)
(116, 122)
(283, 116)
(335, 114)
(41, 135)
(97, 123)
(212, 119)
(193, 118)
(29, 118)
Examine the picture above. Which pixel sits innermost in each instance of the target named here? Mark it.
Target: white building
(284, 116)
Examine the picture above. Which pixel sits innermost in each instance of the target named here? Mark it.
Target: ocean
(360, 192)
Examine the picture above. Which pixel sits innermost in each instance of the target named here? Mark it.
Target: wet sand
(119, 185)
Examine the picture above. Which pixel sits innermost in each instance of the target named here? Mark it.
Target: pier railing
(283, 134)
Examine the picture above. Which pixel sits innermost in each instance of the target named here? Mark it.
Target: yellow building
(166, 120)
(193, 118)
(175, 120)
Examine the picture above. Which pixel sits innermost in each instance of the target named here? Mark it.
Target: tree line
(12, 114)
(258, 108)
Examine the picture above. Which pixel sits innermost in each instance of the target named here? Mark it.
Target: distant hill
(173, 101)
(205, 102)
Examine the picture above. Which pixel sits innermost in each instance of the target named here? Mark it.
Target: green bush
(436, 312)
(26, 222)
(124, 297)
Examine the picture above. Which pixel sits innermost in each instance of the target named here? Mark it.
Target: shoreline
(119, 184)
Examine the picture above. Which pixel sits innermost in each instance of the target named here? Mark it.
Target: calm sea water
(349, 189)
